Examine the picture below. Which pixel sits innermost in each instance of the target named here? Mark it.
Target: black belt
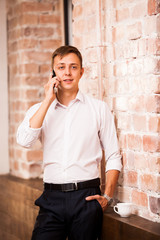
(66, 187)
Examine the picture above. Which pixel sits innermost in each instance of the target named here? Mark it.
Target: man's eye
(74, 67)
(61, 68)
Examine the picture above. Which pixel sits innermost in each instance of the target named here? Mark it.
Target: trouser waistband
(66, 187)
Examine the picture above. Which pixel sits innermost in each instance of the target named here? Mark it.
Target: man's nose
(67, 71)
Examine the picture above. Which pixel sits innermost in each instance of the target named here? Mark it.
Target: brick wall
(34, 32)
(121, 46)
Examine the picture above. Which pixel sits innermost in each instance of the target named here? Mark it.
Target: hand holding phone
(54, 87)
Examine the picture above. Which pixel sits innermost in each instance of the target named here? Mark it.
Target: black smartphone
(53, 74)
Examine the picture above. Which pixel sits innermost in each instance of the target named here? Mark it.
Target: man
(73, 129)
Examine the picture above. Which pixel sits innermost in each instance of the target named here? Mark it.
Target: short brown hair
(64, 50)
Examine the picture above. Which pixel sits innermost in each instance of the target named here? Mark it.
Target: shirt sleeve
(27, 136)
(109, 140)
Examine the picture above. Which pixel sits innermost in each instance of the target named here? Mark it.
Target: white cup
(123, 209)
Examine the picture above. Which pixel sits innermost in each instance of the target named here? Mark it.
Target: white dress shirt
(73, 138)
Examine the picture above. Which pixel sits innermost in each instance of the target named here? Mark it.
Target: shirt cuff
(114, 165)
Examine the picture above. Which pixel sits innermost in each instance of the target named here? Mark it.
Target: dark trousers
(68, 214)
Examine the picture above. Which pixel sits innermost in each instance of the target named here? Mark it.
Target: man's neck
(65, 97)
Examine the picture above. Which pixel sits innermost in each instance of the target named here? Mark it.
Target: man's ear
(82, 71)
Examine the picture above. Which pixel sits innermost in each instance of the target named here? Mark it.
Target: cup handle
(115, 209)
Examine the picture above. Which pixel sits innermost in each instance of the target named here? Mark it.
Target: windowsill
(17, 198)
(131, 228)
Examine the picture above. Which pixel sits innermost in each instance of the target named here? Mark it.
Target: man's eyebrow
(69, 64)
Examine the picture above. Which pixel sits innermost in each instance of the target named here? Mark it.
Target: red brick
(124, 160)
(122, 141)
(122, 14)
(78, 41)
(142, 47)
(154, 203)
(134, 142)
(140, 198)
(45, 68)
(16, 165)
(12, 58)
(153, 104)
(36, 7)
(50, 44)
(91, 23)
(34, 81)
(18, 117)
(154, 124)
(36, 56)
(121, 103)
(20, 105)
(124, 194)
(151, 85)
(35, 170)
(130, 179)
(31, 93)
(27, 43)
(53, 19)
(29, 68)
(12, 23)
(120, 69)
(154, 163)
(28, 19)
(89, 39)
(77, 11)
(141, 162)
(16, 10)
(34, 155)
(121, 3)
(118, 51)
(131, 160)
(13, 46)
(78, 27)
(149, 182)
(39, 32)
(18, 153)
(151, 65)
(124, 121)
(14, 34)
(137, 104)
(153, 7)
(139, 10)
(89, 8)
(30, 103)
(150, 25)
(13, 70)
(131, 49)
(92, 55)
(151, 143)
(135, 67)
(139, 122)
(153, 46)
(119, 33)
(134, 31)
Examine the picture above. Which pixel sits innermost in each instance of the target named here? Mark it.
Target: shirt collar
(79, 97)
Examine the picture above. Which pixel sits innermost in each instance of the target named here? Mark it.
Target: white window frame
(4, 156)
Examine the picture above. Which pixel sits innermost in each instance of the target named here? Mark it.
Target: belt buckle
(69, 187)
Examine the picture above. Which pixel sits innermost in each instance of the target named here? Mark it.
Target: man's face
(69, 71)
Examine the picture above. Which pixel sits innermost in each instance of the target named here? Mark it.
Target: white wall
(4, 159)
